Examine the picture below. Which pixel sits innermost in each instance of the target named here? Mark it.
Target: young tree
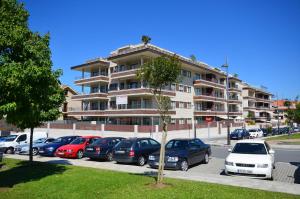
(287, 104)
(158, 73)
(30, 90)
(146, 39)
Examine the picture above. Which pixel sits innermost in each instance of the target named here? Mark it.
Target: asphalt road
(281, 155)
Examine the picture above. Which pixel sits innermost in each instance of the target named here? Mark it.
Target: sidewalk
(266, 185)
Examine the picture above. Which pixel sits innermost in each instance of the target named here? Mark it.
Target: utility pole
(278, 123)
(227, 101)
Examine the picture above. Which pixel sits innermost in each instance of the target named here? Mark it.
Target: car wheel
(109, 156)
(206, 158)
(34, 151)
(9, 150)
(79, 154)
(184, 165)
(141, 161)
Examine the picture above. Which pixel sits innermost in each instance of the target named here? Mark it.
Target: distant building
(69, 104)
(280, 108)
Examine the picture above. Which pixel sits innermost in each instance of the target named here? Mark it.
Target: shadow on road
(297, 172)
(24, 172)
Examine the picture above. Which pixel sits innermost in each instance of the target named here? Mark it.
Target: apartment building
(69, 104)
(257, 103)
(111, 92)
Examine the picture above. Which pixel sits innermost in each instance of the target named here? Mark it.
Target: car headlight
(69, 150)
(151, 157)
(262, 165)
(228, 163)
(172, 159)
(50, 149)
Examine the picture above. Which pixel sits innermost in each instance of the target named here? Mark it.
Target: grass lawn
(286, 137)
(41, 180)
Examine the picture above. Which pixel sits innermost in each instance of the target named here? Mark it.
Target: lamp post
(227, 100)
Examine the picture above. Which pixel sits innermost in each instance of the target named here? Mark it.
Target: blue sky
(260, 38)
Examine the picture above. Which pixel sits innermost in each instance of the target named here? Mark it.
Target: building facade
(257, 104)
(201, 92)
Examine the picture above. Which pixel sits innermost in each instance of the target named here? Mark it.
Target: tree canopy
(146, 39)
(30, 90)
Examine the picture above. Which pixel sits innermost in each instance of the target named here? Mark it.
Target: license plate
(60, 153)
(89, 149)
(156, 163)
(119, 152)
(41, 151)
(244, 171)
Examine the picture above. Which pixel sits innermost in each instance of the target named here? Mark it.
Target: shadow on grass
(297, 172)
(24, 172)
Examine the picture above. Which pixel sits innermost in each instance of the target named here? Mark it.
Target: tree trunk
(30, 145)
(162, 154)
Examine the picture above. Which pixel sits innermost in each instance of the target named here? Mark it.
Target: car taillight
(131, 153)
(98, 149)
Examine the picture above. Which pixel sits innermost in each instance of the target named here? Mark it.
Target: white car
(254, 133)
(252, 158)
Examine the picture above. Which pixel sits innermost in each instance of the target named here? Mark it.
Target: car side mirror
(229, 150)
(272, 151)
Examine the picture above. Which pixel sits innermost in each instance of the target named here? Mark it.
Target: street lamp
(227, 100)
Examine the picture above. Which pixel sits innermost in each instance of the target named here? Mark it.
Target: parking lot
(284, 172)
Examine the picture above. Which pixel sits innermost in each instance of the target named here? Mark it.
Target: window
(198, 91)
(181, 88)
(181, 104)
(66, 92)
(250, 148)
(94, 89)
(22, 138)
(153, 142)
(181, 121)
(173, 104)
(189, 89)
(113, 87)
(197, 76)
(173, 87)
(173, 121)
(189, 105)
(143, 143)
(186, 73)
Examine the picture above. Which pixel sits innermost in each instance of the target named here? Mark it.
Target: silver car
(24, 148)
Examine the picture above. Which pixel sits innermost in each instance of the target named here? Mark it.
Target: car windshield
(238, 131)
(38, 141)
(250, 148)
(58, 140)
(10, 138)
(78, 141)
(177, 144)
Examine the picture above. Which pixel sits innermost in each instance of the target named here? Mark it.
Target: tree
(30, 90)
(193, 58)
(235, 75)
(250, 115)
(158, 73)
(146, 39)
(287, 104)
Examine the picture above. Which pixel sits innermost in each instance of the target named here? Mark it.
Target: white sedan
(252, 158)
(254, 133)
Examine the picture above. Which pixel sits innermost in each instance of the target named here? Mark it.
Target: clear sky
(261, 38)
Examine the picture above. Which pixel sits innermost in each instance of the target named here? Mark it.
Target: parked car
(135, 150)
(24, 148)
(11, 141)
(251, 158)
(102, 148)
(254, 133)
(182, 153)
(295, 130)
(76, 147)
(239, 134)
(49, 149)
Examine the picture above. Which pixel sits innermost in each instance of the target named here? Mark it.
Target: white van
(11, 141)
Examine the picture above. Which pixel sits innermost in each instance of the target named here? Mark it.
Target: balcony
(138, 92)
(208, 97)
(124, 74)
(93, 79)
(209, 82)
(90, 96)
(209, 112)
(234, 88)
(234, 100)
(262, 108)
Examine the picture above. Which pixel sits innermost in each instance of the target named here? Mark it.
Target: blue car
(24, 149)
(49, 149)
(239, 134)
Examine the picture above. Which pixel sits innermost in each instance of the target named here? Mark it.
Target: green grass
(41, 180)
(286, 137)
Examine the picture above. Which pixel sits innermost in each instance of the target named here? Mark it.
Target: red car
(76, 147)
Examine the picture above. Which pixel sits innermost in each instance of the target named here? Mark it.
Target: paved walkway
(202, 173)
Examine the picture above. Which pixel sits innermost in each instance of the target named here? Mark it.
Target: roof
(94, 61)
(66, 87)
(248, 86)
(131, 49)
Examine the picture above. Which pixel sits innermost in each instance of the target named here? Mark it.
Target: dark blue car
(182, 153)
(49, 149)
(102, 148)
(239, 134)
